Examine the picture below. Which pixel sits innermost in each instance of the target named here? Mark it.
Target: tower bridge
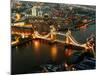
(52, 36)
(69, 39)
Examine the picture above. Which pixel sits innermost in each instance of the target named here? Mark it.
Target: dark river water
(35, 53)
(27, 57)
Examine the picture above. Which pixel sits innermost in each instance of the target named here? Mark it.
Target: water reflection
(54, 52)
(16, 48)
(36, 44)
(68, 52)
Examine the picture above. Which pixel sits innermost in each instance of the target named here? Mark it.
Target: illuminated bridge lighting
(52, 36)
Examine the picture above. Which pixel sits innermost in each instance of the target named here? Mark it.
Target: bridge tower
(67, 40)
(33, 35)
(53, 33)
(68, 50)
